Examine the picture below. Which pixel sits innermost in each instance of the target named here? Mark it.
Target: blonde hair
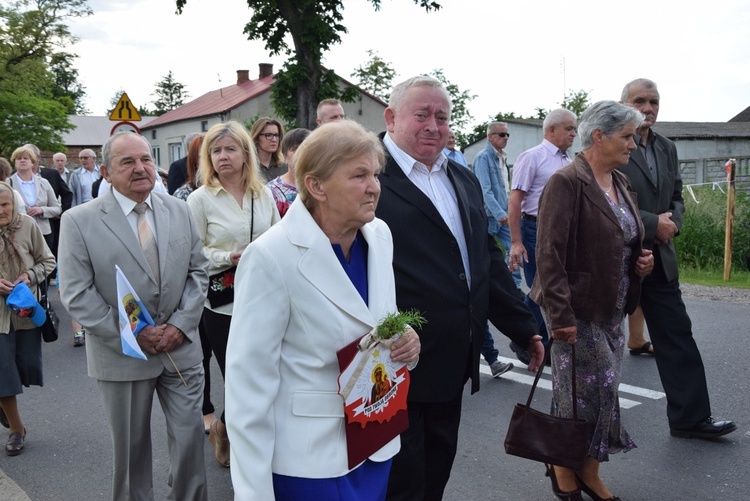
(329, 146)
(250, 177)
(23, 150)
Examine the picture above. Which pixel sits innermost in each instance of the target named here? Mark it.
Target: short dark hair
(293, 139)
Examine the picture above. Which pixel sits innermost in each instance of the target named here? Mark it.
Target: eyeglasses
(84, 158)
(270, 136)
(501, 134)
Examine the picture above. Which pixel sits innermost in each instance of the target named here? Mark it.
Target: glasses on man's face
(501, 134)
(84, 158)
(271, 136)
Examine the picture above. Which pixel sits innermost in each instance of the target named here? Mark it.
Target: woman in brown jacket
(589, 260)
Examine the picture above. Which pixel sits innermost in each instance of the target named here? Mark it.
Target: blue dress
(599, 351)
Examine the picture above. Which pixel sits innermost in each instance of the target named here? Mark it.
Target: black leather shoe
(4, 419)
(709, 428)
(592, 494)
(15, 444)
(562, 495)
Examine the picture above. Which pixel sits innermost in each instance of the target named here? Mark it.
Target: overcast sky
(509, 53)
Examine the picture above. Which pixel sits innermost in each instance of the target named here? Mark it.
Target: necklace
(606, 192)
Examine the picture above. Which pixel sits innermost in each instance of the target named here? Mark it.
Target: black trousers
(677, 356)
(217, 332)
(422, 468)
(207, 407)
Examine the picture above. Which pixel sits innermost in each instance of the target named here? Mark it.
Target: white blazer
(294, 307)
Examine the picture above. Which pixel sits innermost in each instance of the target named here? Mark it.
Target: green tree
(31, 33)
(376, 76)
(170, 94)
(314, 26)
(460, 116)
(67, 89)
(576, 101)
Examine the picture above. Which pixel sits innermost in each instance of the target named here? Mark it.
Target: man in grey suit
(118, 228)
(654, 174)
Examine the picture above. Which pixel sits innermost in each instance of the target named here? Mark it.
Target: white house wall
(175, 132)
(522, 137)
(366, 111)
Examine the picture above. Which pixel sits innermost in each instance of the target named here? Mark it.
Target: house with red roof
(244, 101)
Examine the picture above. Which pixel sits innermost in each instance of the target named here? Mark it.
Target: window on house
(175, 151)
(153, 134)
(157, 155)
(204, 126)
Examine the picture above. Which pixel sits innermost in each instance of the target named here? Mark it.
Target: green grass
(715, 277)
(700, 244)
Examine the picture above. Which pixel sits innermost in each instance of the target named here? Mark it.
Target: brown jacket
(579, 248)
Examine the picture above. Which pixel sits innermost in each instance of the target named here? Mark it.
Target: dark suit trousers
(422, 468)
(677, 357)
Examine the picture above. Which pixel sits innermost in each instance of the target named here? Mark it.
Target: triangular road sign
(125, 110)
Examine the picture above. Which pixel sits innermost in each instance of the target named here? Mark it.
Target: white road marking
(546, 384)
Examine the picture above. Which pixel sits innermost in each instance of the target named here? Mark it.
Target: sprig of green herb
(395, 323)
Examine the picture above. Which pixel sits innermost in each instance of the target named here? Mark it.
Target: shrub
(700, 244)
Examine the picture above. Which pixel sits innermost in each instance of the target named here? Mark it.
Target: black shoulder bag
(49, 328)
(221, 285)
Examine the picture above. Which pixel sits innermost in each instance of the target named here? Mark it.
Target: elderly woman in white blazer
(295, 306)
(38, 196)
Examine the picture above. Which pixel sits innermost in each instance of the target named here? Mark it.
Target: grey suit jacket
(96, 236)
(656, 198)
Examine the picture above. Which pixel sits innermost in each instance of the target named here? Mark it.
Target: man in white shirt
(83, 179)
(448, 267)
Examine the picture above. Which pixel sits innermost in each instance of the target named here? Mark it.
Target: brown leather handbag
(549, 439)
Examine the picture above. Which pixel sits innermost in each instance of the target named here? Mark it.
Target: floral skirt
(599, 351)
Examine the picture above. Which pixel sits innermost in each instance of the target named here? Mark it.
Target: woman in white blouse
(232, 208)
(38, 196)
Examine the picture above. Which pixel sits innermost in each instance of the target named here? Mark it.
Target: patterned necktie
(148, 242)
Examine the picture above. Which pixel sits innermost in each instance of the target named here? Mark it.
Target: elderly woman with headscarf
(589, 263)
(24, 259)
(312, 284)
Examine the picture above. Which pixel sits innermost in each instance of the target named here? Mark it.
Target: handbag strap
(539, 374)
(39, 289)
(252, 217)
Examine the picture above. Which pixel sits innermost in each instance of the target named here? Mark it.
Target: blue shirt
(456, 156)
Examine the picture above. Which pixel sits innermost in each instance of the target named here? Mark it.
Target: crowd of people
(271, 251)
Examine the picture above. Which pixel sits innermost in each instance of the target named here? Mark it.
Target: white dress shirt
(434, 183)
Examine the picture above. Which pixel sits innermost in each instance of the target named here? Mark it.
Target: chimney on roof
(243, 76)
(266, 70)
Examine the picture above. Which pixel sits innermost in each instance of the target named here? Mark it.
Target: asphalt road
(68, 452)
